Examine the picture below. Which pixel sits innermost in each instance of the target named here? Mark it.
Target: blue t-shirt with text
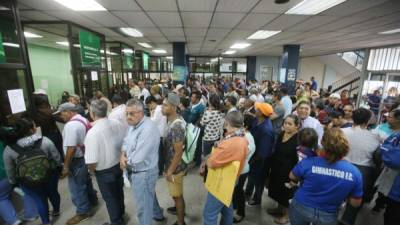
(325, 186)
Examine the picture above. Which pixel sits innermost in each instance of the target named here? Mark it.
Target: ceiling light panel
(144, 44)
(82, 5)
(63, 43)
(159, 51)
(263, 34)
(313, 7)
(229, 52)
(131, 32)
(390, 31)
(240, 45)
(31, 35)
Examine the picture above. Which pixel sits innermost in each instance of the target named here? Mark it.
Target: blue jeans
(80, 186)
(144, 193)
(42, 193)
(7, 210)
(111, 186)
(211, 210)
(300, 214)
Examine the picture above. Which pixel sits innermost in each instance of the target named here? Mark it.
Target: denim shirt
(141, 145)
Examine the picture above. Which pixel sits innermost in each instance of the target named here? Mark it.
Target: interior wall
(51, 71)
(272, 61)
(311, 67)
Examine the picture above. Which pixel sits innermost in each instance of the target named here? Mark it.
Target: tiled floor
(194, 196)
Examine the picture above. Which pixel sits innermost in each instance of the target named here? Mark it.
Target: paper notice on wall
(17, 101)
(129, 75)
(44, 84)
(94, 75)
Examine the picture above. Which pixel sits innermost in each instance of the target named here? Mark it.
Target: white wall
(311, 67)
(330, 77)
(272, 61)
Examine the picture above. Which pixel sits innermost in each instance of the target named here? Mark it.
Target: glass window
(10, 49)
(50, 60)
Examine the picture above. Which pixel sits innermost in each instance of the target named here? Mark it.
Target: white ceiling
(353, 24)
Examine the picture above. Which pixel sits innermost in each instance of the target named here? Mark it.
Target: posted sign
(90, 49)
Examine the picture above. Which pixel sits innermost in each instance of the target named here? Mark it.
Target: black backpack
(33, 166)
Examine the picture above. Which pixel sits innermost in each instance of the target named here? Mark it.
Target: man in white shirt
(144, 93)
(161, 121)
(103, 145)
(134, 90)
(118, 112)
(303, 112)
(80, 184)
(363, 144)
(286, 102)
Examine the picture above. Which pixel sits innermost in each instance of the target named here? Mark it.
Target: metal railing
(354, 58)
(350, 82)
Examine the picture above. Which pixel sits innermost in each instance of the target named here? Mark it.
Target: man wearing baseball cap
(175, 167)
(80, 184)
(263, 134)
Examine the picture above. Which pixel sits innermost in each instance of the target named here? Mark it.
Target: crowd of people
(315, 152)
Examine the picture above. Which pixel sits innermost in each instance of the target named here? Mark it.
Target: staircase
(351, 82)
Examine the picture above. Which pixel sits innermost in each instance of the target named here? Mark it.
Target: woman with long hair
(283, 160)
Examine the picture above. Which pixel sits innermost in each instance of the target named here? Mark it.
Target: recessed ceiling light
(131, 32)
(127, 50)
(159, 51)
(229, 52)
(263, 34)
(14, 45)
(31, 35)
(144, 44)
(82, 5)
(313, 7)
(63, 43)
(214, 60)
(390, 31)
(240, 45)
(169, 57)
(77, 45)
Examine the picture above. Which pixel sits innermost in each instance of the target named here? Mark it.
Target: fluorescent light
(127, 50)
(214, 60)
(31, 35)
(240, 45)
(169, 57)
(390, 31)
(82, 5)
(159, 51)
(64, 43)
(77, 45)
(263, 34)
(313, 7)
(14, 45)
(229, 52)
(131, 32)
(144, 44)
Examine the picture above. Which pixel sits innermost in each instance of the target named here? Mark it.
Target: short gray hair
(99, 108)
(134, 102)
(235, 119)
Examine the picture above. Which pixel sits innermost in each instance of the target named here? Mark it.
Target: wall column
(289, 67)
(179, 59)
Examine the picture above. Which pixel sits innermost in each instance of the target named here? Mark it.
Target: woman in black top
(283, 160)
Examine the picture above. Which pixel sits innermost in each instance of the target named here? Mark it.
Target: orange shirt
(229, 150)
